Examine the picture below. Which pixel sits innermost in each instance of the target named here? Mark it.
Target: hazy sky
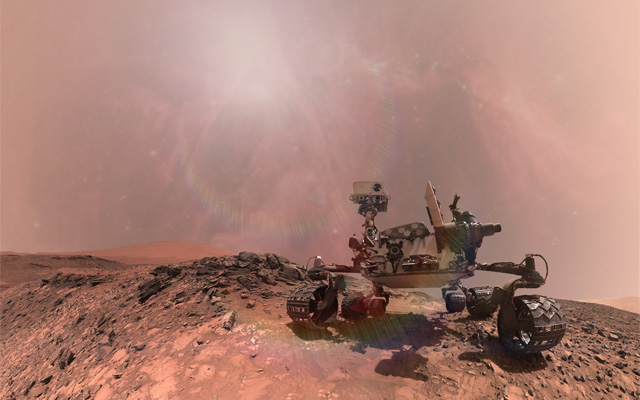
(243, 124)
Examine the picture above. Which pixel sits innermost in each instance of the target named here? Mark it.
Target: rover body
(414, 256)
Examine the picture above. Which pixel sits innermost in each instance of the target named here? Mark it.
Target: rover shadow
(394, 331)
(494, 352)
(469, 318)
(405, 364)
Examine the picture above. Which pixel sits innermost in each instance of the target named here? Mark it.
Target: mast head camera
(370, 195)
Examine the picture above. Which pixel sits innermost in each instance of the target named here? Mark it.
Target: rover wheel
(541, 325)
(454, 302)
(385, 302)
(479, 302)
(348, 302)
(303, 303)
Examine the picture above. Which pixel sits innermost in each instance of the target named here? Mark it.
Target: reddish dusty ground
(217, 328)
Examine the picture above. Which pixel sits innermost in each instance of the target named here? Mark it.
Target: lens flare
(287, 114)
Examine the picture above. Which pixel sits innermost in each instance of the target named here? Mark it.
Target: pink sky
(243, 126)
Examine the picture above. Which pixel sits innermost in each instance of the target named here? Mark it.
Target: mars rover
(412, 256)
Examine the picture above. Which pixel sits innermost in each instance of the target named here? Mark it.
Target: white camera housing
(370, 193)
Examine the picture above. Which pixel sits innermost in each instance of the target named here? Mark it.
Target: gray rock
(228, 320)
(166, 270)
(266, 277)
(246, 256)
(150, 288)
(291, 271)
(65, 357)
(620, 364)
(272, 261)
(566, 356)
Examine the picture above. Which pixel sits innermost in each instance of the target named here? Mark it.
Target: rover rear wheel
(479, 302)
(540, 325)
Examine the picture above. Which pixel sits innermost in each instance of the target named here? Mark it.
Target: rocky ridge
(56, 332)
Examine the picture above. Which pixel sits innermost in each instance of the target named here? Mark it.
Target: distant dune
(622, 303)
(157, 252)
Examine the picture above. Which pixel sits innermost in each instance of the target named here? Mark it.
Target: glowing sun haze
(243, 125)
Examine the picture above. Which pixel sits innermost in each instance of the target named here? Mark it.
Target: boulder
(291, 271)
(150, 288)
(228, 320)
(64, 358)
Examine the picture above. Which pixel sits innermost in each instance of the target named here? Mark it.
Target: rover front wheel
(540, 325)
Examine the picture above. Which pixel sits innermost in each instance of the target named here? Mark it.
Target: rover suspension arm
(526, 269)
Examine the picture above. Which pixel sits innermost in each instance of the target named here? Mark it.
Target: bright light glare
(253, 61)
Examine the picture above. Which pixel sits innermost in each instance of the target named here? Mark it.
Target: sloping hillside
(157, 253)
(623, 303)
(24, 267)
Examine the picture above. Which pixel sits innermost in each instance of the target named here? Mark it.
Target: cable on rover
(307, 265)
(546, 264)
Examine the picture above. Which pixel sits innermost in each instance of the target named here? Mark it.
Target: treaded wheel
(479, 302)
(541, 325)
(386, 300)
(347, 304)
(454, 302)
(303, 303)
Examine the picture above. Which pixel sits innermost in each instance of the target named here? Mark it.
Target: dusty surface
(217, 328)
(623, 303)
(158, 252)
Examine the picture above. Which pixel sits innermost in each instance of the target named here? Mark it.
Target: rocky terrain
(217, 328)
